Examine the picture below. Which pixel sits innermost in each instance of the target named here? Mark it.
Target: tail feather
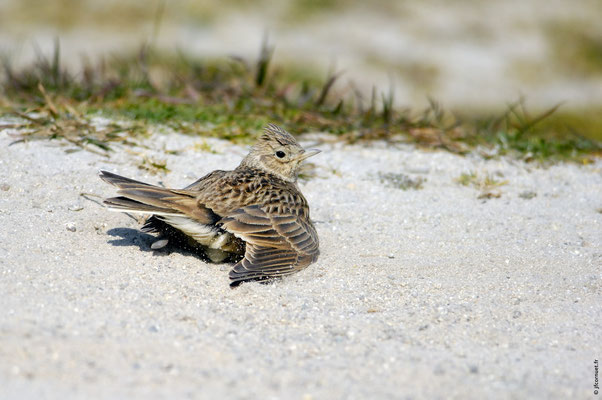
(140, 196)
(154, 194)
(128, 205)
(149, 199)
(120, 181)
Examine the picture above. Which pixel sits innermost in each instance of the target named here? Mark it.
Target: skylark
(255, 213)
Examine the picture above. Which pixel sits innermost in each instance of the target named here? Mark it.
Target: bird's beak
(308, 153)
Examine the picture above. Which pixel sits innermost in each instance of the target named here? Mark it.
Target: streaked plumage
(255, 211)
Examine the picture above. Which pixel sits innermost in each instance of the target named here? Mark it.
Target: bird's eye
(280, 154)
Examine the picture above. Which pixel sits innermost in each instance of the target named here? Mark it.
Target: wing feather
(276, 244)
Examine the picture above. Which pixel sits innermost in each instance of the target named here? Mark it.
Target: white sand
(426, 293)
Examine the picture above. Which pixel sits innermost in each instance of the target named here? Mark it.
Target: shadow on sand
(134, 237)
(131, 237)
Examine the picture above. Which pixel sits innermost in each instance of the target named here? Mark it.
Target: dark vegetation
(233, 99)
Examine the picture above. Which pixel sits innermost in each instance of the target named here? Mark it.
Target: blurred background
(467, 54)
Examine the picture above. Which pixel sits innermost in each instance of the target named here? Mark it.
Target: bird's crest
(274, 132)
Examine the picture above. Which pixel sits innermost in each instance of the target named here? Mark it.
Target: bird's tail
(140, 197)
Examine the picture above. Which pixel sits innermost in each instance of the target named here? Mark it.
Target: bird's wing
(209, 179)
(277, 244)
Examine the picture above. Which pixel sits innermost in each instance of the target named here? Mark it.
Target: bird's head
(278, 153)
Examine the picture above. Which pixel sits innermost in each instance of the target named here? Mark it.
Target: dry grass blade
(326, 88)
(49, 103)
(226, 98)
(263, 63)
(70, 126)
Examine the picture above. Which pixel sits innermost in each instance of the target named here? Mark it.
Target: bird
(255, 214)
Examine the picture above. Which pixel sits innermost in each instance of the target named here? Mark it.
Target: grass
(487, 184)
(153, 165)
(479, 181)
(233, 99)
(534, 137)
(401, 181)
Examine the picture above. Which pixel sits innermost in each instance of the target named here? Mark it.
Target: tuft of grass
(153, 165)
(401, 181)
(62, 121)
(531, 137)
(467, 178)
(204, 146)
(527, 194)
(487, 184)
(480, 181)
(233, 99)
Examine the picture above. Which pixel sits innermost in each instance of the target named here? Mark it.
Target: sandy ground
(428, 293)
